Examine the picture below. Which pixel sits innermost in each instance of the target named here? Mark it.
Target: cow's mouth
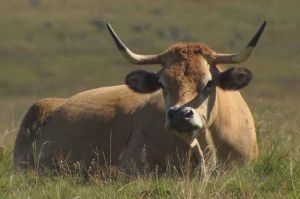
(184, 128)
(187, 130)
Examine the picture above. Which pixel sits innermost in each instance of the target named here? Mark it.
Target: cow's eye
(209, 86)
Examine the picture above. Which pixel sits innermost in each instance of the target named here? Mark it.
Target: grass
(275, 175)
(60, 47)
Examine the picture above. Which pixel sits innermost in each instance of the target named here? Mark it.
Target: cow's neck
(227, 130)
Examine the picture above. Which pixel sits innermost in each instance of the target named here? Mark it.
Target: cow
(154, 119)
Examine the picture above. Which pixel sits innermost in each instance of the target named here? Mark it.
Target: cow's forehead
(183, 50)
(189, 62)
(185, 72)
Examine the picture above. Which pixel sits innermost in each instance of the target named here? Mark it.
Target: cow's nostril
(170, 115)
(189, 114)
(172, 112)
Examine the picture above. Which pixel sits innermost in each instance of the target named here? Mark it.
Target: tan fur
(117, 126)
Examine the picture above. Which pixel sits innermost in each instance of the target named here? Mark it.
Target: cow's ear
(142, 81)
(234, 78)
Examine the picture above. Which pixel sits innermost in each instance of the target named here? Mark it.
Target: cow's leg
(29, 130)
(209, 150)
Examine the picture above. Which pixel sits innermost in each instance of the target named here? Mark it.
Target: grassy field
(56, 48)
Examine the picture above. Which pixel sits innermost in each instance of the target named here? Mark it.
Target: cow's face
(188, 81)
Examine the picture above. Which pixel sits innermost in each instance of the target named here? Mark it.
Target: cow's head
(188, 78)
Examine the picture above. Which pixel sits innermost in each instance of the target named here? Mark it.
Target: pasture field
(56, 48)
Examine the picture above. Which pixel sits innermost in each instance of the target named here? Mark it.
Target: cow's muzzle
(182, 119)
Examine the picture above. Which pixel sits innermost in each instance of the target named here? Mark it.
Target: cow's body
(189, 98)
(116, 125)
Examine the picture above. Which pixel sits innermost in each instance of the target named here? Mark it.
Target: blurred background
(56, 48)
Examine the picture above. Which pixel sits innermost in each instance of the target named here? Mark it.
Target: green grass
(275, 175)
(60, 47)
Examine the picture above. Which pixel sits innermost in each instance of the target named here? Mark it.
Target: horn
(244, 54)
(131, 56)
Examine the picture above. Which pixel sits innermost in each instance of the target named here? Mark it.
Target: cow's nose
(180, 113)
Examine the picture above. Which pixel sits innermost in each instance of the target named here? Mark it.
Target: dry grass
(57, 48)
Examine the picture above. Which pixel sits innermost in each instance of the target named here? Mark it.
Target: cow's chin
(187, 135)
(186, 132)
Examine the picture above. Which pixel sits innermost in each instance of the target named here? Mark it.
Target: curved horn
(244, 54)
(129, 55)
